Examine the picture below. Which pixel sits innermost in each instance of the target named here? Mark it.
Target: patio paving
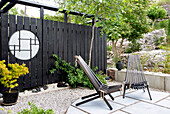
(135, 102)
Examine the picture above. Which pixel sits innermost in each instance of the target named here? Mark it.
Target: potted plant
(8, 77)
(119, 64)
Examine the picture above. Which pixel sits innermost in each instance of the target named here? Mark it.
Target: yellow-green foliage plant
(9, 75)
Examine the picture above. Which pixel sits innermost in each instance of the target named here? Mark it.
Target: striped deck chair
(135, 78)
(101, 89)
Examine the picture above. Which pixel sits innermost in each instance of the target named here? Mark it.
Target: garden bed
(156, 80)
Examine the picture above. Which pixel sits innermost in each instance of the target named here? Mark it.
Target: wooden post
(65, 17)
(41, 13)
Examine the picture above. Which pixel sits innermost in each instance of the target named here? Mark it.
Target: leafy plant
(167, 64)
(35, 110)
(75, 76)
(133, 47)
(158, 41)
(156, 12)
(109, 48)
(144, 59)
(9, 76)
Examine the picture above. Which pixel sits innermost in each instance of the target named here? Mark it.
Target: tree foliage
(156, 12)
(129, 23)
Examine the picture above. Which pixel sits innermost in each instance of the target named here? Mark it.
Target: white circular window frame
(21, 41)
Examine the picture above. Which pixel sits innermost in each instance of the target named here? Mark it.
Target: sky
(35, 12)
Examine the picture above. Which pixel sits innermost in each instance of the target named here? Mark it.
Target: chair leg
(143, 89)
(149, 92)
(107, 103)
(124, 90)
(111, 96)
(87, 100)
(89, 95)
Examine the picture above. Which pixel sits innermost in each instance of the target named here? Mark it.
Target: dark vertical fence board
(20, 27)
(100, 53)
(70, 44)
(3, 40)
(60, 25)
(4, 37)
(40, 54)
(65, 41)
(78, 40)
(105, 52)
(81, 42)
(62, 39)
(50, 49)
(85, 42)
(45, 52)
(12, 29)
(27, 78)
(74, 39)
(56, 46)
(95, 48)
(33, 60)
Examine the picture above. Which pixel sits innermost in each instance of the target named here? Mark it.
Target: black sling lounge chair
(135, 78)
(101, 89)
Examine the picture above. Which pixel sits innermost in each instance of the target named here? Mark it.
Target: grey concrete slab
(164, 102)
(127, 101)
(119, 112)
(98, 106)
(146, 108)
(140, 95)
(118, 93)
(73, 110)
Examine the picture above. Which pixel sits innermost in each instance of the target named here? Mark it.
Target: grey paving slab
(73, 110)
(118, 93)
(146, 108)
(164, 102)
(168, 98)
(127, 101)
(3, 112)
(156, 95)
(98, 106)
(119, 112)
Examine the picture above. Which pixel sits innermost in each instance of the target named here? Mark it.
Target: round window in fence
(24, 44)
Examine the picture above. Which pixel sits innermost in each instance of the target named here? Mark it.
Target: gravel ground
(58, 100)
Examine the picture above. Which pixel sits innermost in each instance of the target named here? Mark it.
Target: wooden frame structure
(135, 78)
(101, 89)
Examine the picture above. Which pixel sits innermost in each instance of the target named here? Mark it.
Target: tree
(119, 19)
(156, 12)
(130, 23)
(104, 8)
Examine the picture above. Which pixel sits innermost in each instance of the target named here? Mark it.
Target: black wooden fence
(63, 39)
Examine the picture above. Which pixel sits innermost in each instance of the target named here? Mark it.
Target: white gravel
(58, 100)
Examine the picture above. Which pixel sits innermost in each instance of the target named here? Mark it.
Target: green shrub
(35, 110)
(168, 27)
(109, 48)
(133, 47)
(128, 50)
(75, 76)
(163, 24)
(158, 41)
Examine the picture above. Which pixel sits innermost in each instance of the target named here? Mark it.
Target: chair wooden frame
(101, 89)
(135, 79)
